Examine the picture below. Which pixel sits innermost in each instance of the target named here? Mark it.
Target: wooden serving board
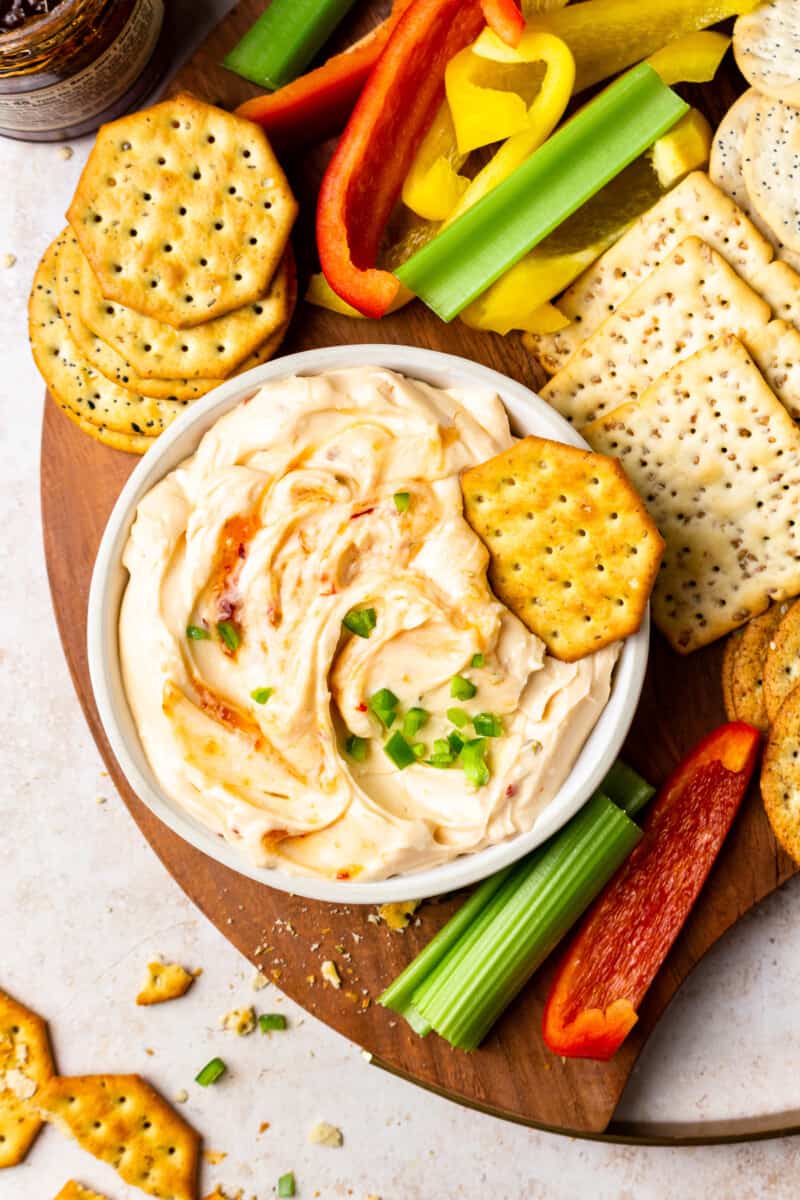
(512, 1075)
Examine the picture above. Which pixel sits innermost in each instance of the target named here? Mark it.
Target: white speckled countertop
(84, 904)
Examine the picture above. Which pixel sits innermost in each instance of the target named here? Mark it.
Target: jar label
(97, 87)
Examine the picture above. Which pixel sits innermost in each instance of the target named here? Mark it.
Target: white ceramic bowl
(528, 414)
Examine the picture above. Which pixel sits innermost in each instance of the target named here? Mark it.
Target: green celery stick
(627, 789)
(284, 39)
(573, 165)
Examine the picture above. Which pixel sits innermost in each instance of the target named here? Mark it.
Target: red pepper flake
(364, 513)
(511, 790)
(361, 707)
(342, 874)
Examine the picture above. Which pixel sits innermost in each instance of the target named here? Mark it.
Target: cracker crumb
(182, 1096)
(325, 1134)
(330, 973)
(215, 1157)
(164, 981)
(65, 152)
(101, 800)
(9, 260)
(263, 1127)
(259, 981)
(398, 914)
(240, 1021)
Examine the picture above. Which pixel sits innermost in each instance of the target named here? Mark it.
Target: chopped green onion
(384, 705)
(270, 1021)
(419, 749)
(361, 621)
(443, 755)
(479, 961)
(461, 688)
(455, 742)
(196, 633)
(478, 661)
(613, 129)
(262, 695)
(286, 1185)
(458, 717)
(402, 501)
(357, 747)
(488, 725)
(211, 1072)
(284, 39)
(414, 720)
(229, 632)
(473, 760)
(399, 750)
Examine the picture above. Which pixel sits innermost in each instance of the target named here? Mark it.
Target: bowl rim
(528, 413)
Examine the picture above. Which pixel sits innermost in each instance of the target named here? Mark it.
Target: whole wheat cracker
(780, 775)
(748, 670)
(716, 458)
(770, 164)
(775, 349)
(572, 550)
(694, 207)
(123, 1121)
(692, 299)
(183, 211)
(26, 1064)
(76, 386)
(782, 665)
(766, 45)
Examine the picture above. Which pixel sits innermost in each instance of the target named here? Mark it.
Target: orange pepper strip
(365, 176)
(316, 105)
(627, 933)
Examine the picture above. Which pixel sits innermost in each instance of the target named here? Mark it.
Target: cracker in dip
(317, 667)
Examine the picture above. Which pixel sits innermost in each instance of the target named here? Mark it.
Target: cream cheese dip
(310, 556)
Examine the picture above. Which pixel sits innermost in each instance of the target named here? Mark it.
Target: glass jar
(65, 71)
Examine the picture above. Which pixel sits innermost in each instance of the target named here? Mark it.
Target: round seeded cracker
(766, 45)
(780, 775)
(782, 665)
(725, 169)
(74, 384)
(771, 165)
(102, 356)
(747, 679)
(211, 351)
(728, 662)
(183, 212)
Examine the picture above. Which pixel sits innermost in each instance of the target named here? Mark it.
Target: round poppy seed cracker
(128, 443)
(210, 351)
(771, 165)
(766, 45)
(747, 681)
(726, 170)
(726, 674)
(102, 356)
(782, 665)
(780, 775)
(183, 211)
(74, 384)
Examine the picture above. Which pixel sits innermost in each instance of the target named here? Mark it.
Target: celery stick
(627, 789)
(550, 892)
(284, 39)
(398, 994)
(573, 165)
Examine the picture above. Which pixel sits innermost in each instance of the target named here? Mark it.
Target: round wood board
(512, 1075)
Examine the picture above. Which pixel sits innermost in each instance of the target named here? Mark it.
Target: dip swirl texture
(282, 523)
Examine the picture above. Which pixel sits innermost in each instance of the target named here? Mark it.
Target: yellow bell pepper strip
(433, 186)
(686, 148)
(479, 114)
(694, 58)
(606, 36)
(543, 115)
(519, 299)
(321, 294)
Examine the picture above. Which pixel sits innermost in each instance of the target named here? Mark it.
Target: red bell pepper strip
(505, 18)
(626, 934)
(316, 105)
(365, 176)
